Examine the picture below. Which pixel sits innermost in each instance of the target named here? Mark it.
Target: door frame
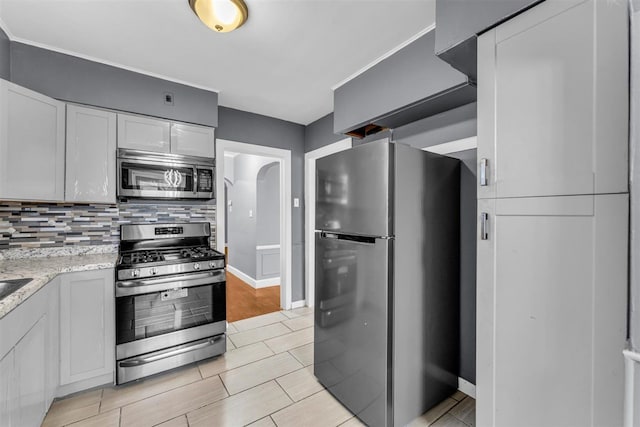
(310, 211)
(286, 242)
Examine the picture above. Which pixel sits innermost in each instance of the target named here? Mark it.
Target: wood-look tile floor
(243, 301)
(264, 379)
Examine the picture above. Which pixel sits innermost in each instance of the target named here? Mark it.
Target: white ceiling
(282, 63)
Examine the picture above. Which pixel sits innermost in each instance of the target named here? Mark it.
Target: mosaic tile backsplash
(44, 225)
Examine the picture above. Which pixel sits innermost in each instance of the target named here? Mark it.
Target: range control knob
(153, 271)
(135, 273)
(212, 264)
(196, 266)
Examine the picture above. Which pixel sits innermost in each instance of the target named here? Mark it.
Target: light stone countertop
(43, 270)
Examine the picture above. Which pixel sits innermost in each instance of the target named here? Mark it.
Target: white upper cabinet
(192, 140)
(144, 133)
(32, 145)
(148, 134)
(552, 101)
(91, 155)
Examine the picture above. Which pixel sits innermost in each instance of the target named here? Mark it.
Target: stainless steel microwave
(149, 175)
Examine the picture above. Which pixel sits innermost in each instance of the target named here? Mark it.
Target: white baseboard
(265, 283)
(255, 284)
(466, 387)
(242, 276)
(298, 304)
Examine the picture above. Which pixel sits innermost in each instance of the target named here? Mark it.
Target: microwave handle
(195, 179)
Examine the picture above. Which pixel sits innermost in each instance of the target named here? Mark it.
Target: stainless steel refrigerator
(387, 280)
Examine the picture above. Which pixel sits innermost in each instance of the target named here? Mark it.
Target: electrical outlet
(168, 98)
(250, 213)
(296, 202)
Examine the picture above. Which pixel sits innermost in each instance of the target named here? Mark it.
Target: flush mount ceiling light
(220, 15)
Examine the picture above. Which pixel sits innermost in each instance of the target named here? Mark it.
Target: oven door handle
(143, 360)
(177, 281)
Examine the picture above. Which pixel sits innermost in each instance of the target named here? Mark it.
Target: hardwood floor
(243, 301)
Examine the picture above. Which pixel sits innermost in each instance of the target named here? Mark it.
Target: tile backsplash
(39, 225)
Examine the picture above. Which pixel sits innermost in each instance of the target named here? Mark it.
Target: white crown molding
(14, 38)
(384, 56)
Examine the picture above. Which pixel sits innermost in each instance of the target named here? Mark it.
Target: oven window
(148, 315)
(156, 178)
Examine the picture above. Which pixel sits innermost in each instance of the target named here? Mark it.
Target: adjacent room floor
(264, 379)
(244, 301)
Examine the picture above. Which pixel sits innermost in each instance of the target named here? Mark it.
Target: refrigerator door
(353, 191)
(351, 322)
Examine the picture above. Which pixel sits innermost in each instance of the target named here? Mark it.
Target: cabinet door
(143, 133)
(552, 101)
(7, 391)
(551, 311)
(87, 325)
(192, 140)
(91, 155)
(31, 145)
(31, 366)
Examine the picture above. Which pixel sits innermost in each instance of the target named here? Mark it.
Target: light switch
(250, 213)
(296, 202)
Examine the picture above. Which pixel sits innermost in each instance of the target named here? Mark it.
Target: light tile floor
(264, 379)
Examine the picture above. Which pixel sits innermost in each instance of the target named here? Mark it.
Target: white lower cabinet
(8, 399)
(551, 311)
(31, 374)
(59, 341)
(87, 326)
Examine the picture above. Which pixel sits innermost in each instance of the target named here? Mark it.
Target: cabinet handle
(484, 226)
(484, 166)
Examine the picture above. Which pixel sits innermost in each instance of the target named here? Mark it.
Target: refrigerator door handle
(362, 240)
(325, 235)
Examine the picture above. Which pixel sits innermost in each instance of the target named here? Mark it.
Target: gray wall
(320, 133)
(268, 205)
(411, 74)
(241, 126)
(78, 80)
(5, 55)
(243, 228)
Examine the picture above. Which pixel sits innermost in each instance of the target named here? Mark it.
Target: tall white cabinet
(553, 206)
(32, 144)
(91, 155)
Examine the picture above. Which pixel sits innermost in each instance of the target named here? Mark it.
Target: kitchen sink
(7, 287)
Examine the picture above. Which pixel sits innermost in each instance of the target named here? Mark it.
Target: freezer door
(352, 190)
(351, 322)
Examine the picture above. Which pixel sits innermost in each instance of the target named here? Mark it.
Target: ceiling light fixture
(221, 16)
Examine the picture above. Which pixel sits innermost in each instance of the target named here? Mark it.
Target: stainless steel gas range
(170, 298)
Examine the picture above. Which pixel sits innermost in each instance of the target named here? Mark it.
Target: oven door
(155, 314)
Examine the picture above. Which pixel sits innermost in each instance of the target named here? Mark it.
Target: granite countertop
(43, 270)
